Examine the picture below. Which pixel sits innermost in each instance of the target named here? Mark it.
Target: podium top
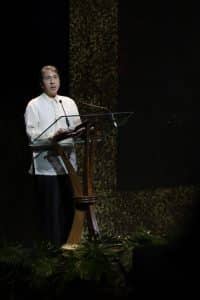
(67, 138)
(46, 144)
(102, 121)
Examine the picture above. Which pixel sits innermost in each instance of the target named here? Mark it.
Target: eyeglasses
(47, 78)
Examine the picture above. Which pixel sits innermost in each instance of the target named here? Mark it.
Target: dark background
(159, 81)
(33, 34)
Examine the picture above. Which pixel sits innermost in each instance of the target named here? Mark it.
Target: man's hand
(61, 130)
(61, 134)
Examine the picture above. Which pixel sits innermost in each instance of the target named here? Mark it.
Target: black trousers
(55, 207)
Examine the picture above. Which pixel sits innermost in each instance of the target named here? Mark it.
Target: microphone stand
(66, 118)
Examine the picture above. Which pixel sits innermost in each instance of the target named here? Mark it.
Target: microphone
(101, 107)
(66, 118)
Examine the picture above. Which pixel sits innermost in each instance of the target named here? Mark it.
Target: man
(53, 185)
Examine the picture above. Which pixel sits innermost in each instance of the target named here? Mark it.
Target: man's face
(50, 83)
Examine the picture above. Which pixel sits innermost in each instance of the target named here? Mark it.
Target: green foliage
(13, 254)
(105, 262)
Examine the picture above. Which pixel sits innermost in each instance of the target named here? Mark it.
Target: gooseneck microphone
(66, 118)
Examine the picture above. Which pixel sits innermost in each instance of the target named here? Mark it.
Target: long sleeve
(31, 122)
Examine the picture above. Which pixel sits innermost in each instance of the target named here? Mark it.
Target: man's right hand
(59, 131)
(60, 134)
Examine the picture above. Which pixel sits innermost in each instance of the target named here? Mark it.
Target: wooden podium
(83, 191)
(84, 196)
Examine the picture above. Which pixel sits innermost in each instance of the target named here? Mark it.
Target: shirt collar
(56, 98)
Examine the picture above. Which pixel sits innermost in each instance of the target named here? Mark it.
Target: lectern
(87, 133)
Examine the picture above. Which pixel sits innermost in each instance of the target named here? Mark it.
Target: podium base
(69, 246)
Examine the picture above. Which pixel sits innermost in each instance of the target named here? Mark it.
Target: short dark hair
(46, 68)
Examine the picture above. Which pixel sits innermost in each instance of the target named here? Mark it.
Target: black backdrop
(32, 34)
(160, 82)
